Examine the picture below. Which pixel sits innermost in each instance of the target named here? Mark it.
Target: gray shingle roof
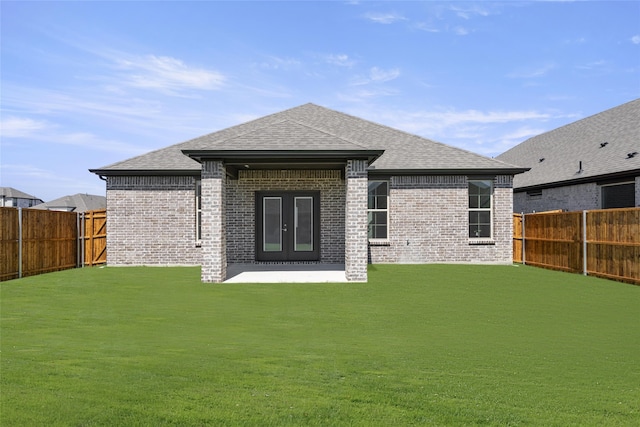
(582, 141)
(75, 203)
(17, 194)
(311, 127)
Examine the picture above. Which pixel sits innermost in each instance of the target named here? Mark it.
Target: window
(620, 195)
(534, 194)
(198, 210)
(377, 213)
(480, 220)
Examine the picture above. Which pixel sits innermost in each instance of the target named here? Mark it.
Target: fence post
(524, 251)
(78, 239)
(80, 244)
(92, 227)
(19, 243)
(584, 243)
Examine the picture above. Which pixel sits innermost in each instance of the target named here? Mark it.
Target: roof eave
(461, 171)
(278, 155)
(146, 172)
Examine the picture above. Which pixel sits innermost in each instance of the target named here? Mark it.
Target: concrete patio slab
(285, 273)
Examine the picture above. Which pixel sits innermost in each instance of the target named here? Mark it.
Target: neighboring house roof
(75, 203)
(9, 192)
(603, 144)
(310, 129)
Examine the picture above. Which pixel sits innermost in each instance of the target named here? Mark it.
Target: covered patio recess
(286, 212)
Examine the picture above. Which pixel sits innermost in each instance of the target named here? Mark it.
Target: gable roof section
(279, 136)
(75, 203)
(600, 143)
(10, 192)
(313, 128)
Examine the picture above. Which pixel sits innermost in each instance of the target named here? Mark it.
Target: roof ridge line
(328, 133)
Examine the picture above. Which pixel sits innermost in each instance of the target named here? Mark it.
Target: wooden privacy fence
(603, 243)
(94, 230)
(36, 241)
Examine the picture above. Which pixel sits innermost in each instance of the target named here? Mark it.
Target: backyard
(417, 345)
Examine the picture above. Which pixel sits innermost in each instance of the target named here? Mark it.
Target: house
(75, 203)
(308, 185)
(10, 197)
(593, 163)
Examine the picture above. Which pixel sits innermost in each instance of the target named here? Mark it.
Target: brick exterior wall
(570, 198)
(151, 220)
(356, 221)
(429, 222)
(241, 209)
(214, 236)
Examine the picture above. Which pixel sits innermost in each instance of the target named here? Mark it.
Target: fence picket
(48, 241)
(603, 243)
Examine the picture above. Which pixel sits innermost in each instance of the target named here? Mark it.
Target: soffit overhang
(235, 160)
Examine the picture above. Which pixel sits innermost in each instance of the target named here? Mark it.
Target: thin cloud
(279, 63)
(377, 75)
(580, 40)
(484, 132)
(523, 133)
(94, 142)
(454, 118)
(341, 60)
(20, 127)
(39, 131)
(593, 65)
(635, 39)
(46, 101)
(384, 18)
(30, 171)
(167, 74)
(468, 13)
(531, 73)
(164, 74)
(38, 181)
(444, 123)
(423, 26)
(363, 94)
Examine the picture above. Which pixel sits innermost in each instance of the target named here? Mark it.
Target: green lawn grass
(429, 344)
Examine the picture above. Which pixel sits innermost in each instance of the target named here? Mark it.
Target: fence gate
(95, 237)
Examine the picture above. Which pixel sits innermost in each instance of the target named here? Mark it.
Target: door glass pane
(303, 222)
(272, 224)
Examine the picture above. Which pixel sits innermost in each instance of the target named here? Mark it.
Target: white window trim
(198, 211)
(377, 241)
(482, 240)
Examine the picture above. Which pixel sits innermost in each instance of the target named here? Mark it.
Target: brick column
(214, 247)
(356, 241)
